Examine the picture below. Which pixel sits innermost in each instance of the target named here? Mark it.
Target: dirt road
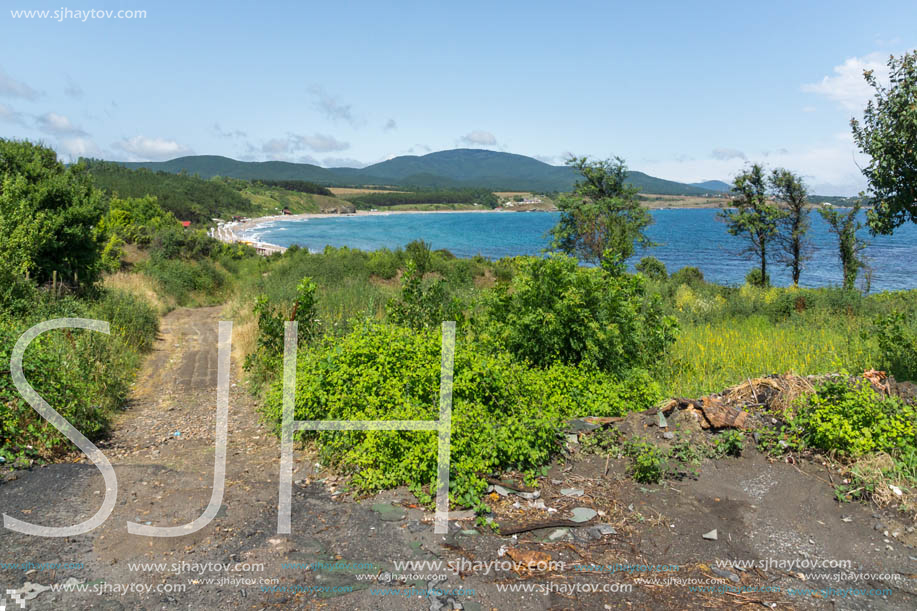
(343, 553)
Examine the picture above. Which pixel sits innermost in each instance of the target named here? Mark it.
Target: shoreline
(234, 231)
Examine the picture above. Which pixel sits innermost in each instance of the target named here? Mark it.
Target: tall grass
(710, 356)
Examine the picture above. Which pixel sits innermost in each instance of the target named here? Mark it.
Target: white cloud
(846, 86)
(548, 159)
(479, 138)
(342, 162)
(79, 147)
(275, 146)
(58, 125)
(320, 143)
(12, 88)
(331, 106)
(725, 154)
(284, 149)
(828, 169)
(140, 148)
(233, 133)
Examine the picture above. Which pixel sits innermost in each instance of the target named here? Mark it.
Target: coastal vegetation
(541, 340)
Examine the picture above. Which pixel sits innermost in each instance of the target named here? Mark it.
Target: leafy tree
(754, 217)
(602, 218)
(47, 216)
(888, 134)
(790, 191)
(845, 226)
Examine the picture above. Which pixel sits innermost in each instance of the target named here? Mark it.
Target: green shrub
(653, 268)
(555, 311)
(272, 320)
(133, 319)
(383, 263)
(852, 420)
(179, 278)
(729, 443)
(691, 276)
(897, 336)
(112, 253)
(754, 278)
(648, 462)
(136, 220)
(506, 415)
(83, 375)
(422, 303)
(420, 253)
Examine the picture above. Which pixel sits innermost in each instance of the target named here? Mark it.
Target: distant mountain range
(713, 185)
(443, 169)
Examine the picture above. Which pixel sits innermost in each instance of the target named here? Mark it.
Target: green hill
(443, 169)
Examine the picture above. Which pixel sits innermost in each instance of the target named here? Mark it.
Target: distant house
(185, 224)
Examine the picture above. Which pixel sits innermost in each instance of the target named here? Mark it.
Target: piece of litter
(710, 536)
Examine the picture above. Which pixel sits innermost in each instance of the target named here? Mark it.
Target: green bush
(272, 319)
(422, 303)
(136, 220)
(754, 278)
(506, 415)
(133, 319)
(691, 276)
(897, 336)
(729, 443)
(179, 278)
(83, 375)
(653, 268)
(383, 263)
(555, 311)
(420, 253)
(648, 462)
(852, 420)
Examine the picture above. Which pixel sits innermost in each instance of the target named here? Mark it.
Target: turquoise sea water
(686, 237)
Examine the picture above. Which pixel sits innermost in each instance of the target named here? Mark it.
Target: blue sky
(685, 91)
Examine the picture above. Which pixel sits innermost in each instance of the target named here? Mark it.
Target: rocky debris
(572, 491)
(528, 560)
(726, 574)
(503, 491)
(558, 534)
(583, 514)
